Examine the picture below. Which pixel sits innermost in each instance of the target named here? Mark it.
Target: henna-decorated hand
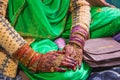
(80, 11)
(74, 51)
(53, 61)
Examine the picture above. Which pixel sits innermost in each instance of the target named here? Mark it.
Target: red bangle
(34, 62)
(34, 58)
(20, 51)
(23, 51)
(27, 57)
(31, 55)
(42, 59)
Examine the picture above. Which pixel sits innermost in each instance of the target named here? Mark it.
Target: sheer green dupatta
(38, 18)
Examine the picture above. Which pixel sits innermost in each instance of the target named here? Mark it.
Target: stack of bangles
(38, 62)
(78, 36)
(80, 10)
(28, 57)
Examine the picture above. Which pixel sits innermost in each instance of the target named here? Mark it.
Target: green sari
(45, 20)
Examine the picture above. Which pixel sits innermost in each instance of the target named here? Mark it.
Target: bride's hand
(54, 61)
(74, 51)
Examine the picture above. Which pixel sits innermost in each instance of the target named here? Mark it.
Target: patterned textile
(110, 74)
(8, 65)
(77, 9)
(3, 7)
(2, 77)
(9, 38)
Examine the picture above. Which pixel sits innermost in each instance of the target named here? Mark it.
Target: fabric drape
(46, 20)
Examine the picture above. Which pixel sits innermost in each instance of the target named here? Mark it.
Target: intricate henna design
(74, 51)
(80, 11)
(49, 62)
(52, 61)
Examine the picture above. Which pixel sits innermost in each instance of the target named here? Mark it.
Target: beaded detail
(81, 18)
(8, 65)
(9, 38)
(3, 7)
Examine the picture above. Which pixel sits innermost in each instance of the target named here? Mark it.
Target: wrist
(50, 61)
(28, 57)
(78, 36)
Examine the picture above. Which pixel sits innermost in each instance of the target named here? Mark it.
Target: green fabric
(47, 45)
(105, 22)
(38, 18)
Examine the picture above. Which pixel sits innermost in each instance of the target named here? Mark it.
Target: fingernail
(63, 70)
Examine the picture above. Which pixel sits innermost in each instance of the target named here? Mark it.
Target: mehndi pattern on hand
(81, 17)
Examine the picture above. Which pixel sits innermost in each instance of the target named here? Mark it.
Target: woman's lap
(105, 22)
(48, 45)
